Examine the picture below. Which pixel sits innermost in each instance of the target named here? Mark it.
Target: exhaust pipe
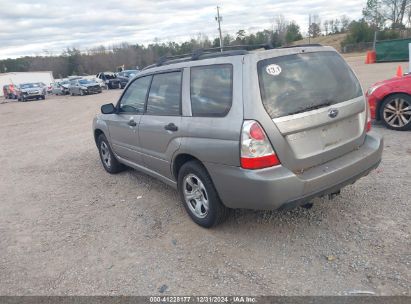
(334, 194)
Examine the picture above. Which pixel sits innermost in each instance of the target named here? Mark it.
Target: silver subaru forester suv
(267, 129)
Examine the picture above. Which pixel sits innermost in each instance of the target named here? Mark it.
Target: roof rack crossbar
(301, 45)
(196, 54)
(229, 50)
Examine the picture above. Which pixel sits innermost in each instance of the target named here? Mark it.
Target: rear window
(302, 82)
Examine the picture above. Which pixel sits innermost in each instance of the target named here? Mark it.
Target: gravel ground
(69, 228)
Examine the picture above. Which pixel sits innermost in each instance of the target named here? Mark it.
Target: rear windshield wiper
(313, 107)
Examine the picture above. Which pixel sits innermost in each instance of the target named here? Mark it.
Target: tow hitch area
(307, 205)
(334, 194)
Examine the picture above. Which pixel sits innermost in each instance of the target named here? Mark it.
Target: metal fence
(357, 47)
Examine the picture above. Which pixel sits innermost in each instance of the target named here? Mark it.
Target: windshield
(85, 81)
(130, 73)
(302, 82)
(30, 85)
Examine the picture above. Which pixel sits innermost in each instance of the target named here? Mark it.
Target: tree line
(73, 61)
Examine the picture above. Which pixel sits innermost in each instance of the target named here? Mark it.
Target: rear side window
(165, 94)
(211, 89)
(134, 98)
(302, 82)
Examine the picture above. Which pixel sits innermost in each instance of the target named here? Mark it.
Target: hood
(90, 85)
(32, 90)
(393, 81)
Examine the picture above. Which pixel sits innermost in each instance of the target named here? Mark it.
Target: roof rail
(206, 53)
(301, 45)
(203, 53)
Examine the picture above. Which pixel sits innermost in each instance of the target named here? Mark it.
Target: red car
(390, 102)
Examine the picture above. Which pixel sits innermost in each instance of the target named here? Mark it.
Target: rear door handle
(132, 123)
(171, 127)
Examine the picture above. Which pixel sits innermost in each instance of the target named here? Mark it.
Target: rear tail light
(256, 149)
(368, 124)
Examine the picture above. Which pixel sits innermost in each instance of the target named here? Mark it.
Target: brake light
(256, 150)
(368, 124)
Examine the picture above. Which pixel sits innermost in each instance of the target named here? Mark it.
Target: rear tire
(109, 161)
(395, 112)
(199, 196)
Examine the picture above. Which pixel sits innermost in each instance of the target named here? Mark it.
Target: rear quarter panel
(214, 139)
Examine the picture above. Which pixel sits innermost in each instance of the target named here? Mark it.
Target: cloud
(31, 27)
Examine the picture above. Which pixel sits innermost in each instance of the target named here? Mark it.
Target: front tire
(109, 161)
(395, 112)
(199, 195)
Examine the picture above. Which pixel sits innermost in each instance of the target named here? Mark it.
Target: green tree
(293, 32)
(359, 31)
(373, 14)
(314, 30)
(240, 36)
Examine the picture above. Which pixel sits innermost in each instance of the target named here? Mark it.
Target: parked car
(46, 87)
(27, 91)
(9, 91)
(123, 81)
(61, 87)
(239, 129)
(390, 102)
(128, 73)
(110, 79)
(125, 76)
(84, 87)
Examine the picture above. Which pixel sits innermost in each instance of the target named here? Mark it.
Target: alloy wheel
(195, 195)
(105, 154)
(397, 112)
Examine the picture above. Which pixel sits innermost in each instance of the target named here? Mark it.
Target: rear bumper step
(331, 192)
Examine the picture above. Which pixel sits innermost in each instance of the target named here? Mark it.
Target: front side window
(165, 94)
(211, 90)
(134, 98)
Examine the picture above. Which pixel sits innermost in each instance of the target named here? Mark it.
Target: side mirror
(108, 109)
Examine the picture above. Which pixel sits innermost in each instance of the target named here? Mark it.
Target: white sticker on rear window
(273, 69)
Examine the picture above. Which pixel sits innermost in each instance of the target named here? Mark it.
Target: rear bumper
(279, 188)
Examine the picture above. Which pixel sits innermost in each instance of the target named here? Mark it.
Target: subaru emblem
(332, 113)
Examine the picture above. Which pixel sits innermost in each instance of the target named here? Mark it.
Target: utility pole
(309, 28)
(219, 19)
(375, 40)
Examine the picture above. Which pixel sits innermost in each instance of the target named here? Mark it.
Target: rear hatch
(316, 105)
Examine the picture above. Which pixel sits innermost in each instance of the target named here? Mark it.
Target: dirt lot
(68, 227)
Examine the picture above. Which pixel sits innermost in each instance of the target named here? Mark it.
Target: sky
(48, 27)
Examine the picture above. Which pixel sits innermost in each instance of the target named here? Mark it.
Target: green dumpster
(392, 50)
